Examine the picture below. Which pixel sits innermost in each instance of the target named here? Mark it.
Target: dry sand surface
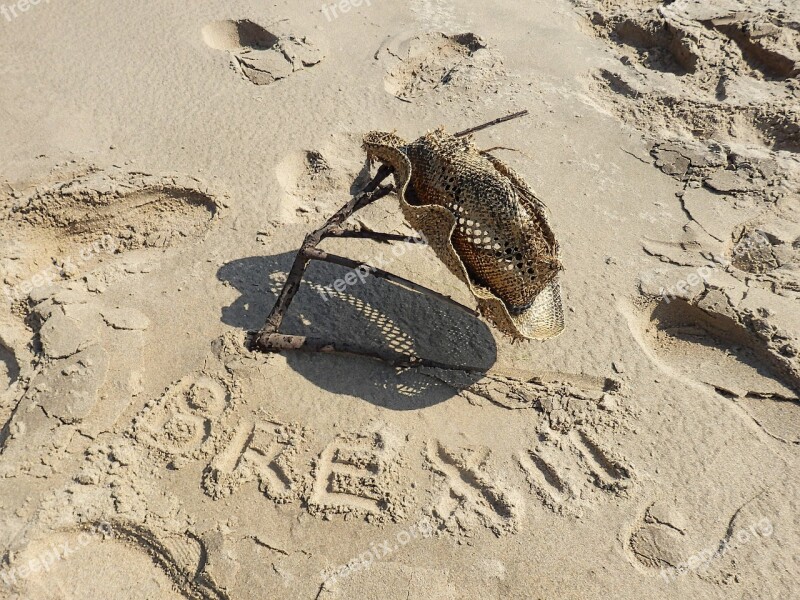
(161, 162)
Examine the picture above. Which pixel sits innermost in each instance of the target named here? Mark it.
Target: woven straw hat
(484, 222)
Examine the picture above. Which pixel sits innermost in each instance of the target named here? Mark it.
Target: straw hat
(484, 222)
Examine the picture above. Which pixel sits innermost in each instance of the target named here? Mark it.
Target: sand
(160, 165)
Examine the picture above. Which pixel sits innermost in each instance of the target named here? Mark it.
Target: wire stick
(515, 115)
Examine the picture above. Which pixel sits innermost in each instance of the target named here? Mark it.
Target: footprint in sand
(57, 555)
(747, 544)
(455, 64)
(261, 56)
(658, 540)
(317, 182)
(753, 545)
(737, 352)
(114, 527)
(67, 567)
(728, 302)
(137, 210)
(729, 73)
(771, 49)
(66, 228)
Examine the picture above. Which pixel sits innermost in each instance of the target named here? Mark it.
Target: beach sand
(160, 165)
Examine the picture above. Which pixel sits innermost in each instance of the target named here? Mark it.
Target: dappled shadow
(374, 314)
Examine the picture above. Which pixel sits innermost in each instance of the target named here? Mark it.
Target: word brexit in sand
(367, 473)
